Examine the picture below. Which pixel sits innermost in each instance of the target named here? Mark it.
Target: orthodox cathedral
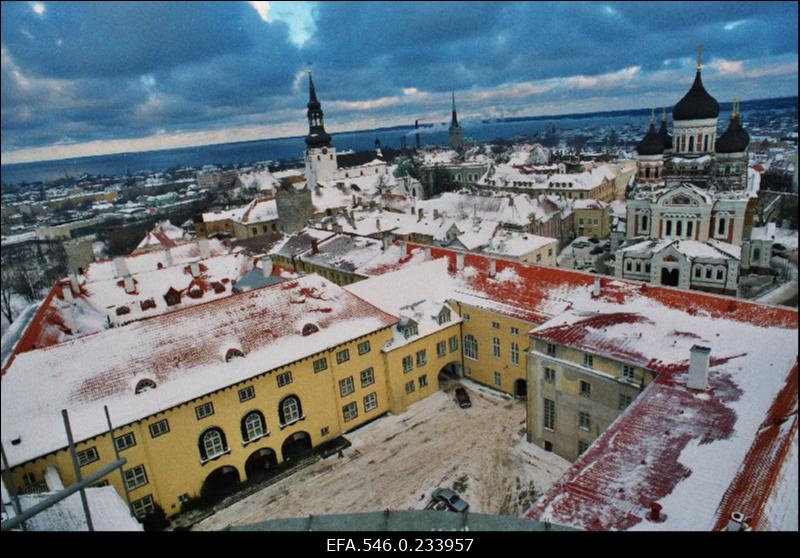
(690, 212)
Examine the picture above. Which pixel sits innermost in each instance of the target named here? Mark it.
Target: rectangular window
(363, 348)
(588, 361)
(89, 455)
(246, 394)
(370, 402)
(143, 506)
(346, 386)
(467, 371)
(465, 316)
(514, 354)
(324, 431)
(421, 358)
(284, 379)
(408, 364)
(204, 410)
(495, 325)
(135, 477)
(159, 428)
(498, 379)
(514, 331)
(628, 372)
(586, 389)
(453, 343)
(496, 347)
(350, 411)
(423, 381)
(411, 330)
(410, 386)
(549, 414)
(584, 422)
(549, 375)
(127, 440)
(367, 377)
(320, 364)
(551, 350)
(582, 447)
(624, 401)
(342, 356)
(441, 348)
(444, 316)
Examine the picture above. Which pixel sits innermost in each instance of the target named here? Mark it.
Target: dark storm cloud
(76, 72)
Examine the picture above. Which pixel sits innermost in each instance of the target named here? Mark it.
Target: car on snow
(453, 500)
(462, 398)
(580, 244)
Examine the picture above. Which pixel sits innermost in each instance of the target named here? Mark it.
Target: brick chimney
(130, 286)
(596, 288)
(699, 359)
(427, 253)
(205, 252)
(266, 267)
(403, 245)
(314, 246)
(73, 283)
(195, 269)
(120, 267)
(167, 258)
(420, 214)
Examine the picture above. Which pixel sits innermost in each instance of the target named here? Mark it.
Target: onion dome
(652, 143)
(666, 139)
(735, 139)
(697, 104)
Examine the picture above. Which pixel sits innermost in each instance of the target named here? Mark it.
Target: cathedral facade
(690, 211)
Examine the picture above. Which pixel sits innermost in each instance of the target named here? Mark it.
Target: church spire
(454, 120)
(317, 137)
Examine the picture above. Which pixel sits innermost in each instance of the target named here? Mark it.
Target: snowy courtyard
(396, 462)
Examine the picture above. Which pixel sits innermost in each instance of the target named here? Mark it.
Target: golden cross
(699, 56)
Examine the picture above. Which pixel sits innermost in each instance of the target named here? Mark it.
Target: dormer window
(308, 329)
(233, 353)
(144, 385)
(411, 329)
(444, 316)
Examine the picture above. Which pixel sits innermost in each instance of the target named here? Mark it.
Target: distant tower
(378, 152)
(294, 206)
(731, 148)
(455, 130)
(650, 155)
(320, 157)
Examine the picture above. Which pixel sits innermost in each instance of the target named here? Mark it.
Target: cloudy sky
(104, 77)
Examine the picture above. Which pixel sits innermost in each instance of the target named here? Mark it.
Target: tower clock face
(324, 151)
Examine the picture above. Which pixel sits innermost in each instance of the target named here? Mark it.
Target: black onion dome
(697, 104)
(735, 139)
(666, 139)
(651, 144)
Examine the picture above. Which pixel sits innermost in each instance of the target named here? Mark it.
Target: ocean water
(292, 148)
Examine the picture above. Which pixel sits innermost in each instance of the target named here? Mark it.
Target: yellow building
(216, 405)
(592, 218)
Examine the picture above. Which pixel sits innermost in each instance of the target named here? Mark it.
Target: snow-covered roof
(515, 244)
(83, 375)
(344, 252)
(711, 249)
(586, 180)
(257, 211)
(589, 204)
(163, 235)
(109, 512)
(515, 209)
(299, 242)
(476, 233)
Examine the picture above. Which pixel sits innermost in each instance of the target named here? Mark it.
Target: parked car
(453, 500)
(462, 398)
(580, 244)
(597, 250)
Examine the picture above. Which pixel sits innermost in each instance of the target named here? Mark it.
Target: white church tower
(320, 157)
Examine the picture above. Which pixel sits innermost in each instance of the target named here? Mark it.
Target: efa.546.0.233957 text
(437, 544)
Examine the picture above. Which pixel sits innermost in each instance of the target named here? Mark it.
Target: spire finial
(663, 114)
(652, 116)
(699, 57)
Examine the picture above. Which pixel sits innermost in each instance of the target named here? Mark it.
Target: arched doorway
(521, 389)
(448, 374)
(296, 445)
(260, 464)
(220, 483)
(670, 277)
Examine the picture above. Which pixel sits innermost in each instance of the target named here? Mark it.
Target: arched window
(233, 353)
(212, 444)
(644, 223)
(708, 272)
(144, 385)
(720, 273)
(470, 347)
(290, 410)
(253, 426)
(308, 329)
(698, 272)
(691, 143)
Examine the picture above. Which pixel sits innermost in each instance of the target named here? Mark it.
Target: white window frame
(135, 477)
(585, 392)
(441, 349)
(549, 414)
(370, 402)
(496, 347)
(143, 506)
(408, 364)
(350, 411)
(125, 441)
(255, 429)
(291, 403)
(423, 381)
(346, 386)
(588, 360)
(342, 356)
(214, 446)
(453, 343)
(410, 386)
(246, 394)
(89, 455)
(514, 353)
(624, 401)
(284, 379)
(204, 410)
(498, 379)
(422, 357)
(584, 421)
(369, 374)
(159, 428)
(320, 364)
(364, 348)
(628, 373)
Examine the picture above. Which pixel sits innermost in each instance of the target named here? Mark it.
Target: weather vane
(699, 57)
(309, 67)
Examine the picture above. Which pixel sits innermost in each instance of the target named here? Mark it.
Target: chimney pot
(427, 253)
(130, 287)
(736, 522)
(420, 214)
(266, 267)
(460, 261)
(195, 269)
(205, 252)
(314, 246)
(596, 287)
(403, 246)
(492, 267)
(699, 359)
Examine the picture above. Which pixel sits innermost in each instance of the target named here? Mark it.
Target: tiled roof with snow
(163, 235)
(515, 209)
(256, 211)
(182, 352)
(515, 244)
(699, 454)
(344, 252)
(299, 242)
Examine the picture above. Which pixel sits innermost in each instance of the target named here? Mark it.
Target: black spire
(662, 132)
(454, 120)
(735, 139)
(652, 143)
(697, 104)
(317, 137)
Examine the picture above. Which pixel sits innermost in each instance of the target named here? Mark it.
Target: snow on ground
(12, 332)
(18, 306)
(785, 291)
(397, 461)
(577, 258)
